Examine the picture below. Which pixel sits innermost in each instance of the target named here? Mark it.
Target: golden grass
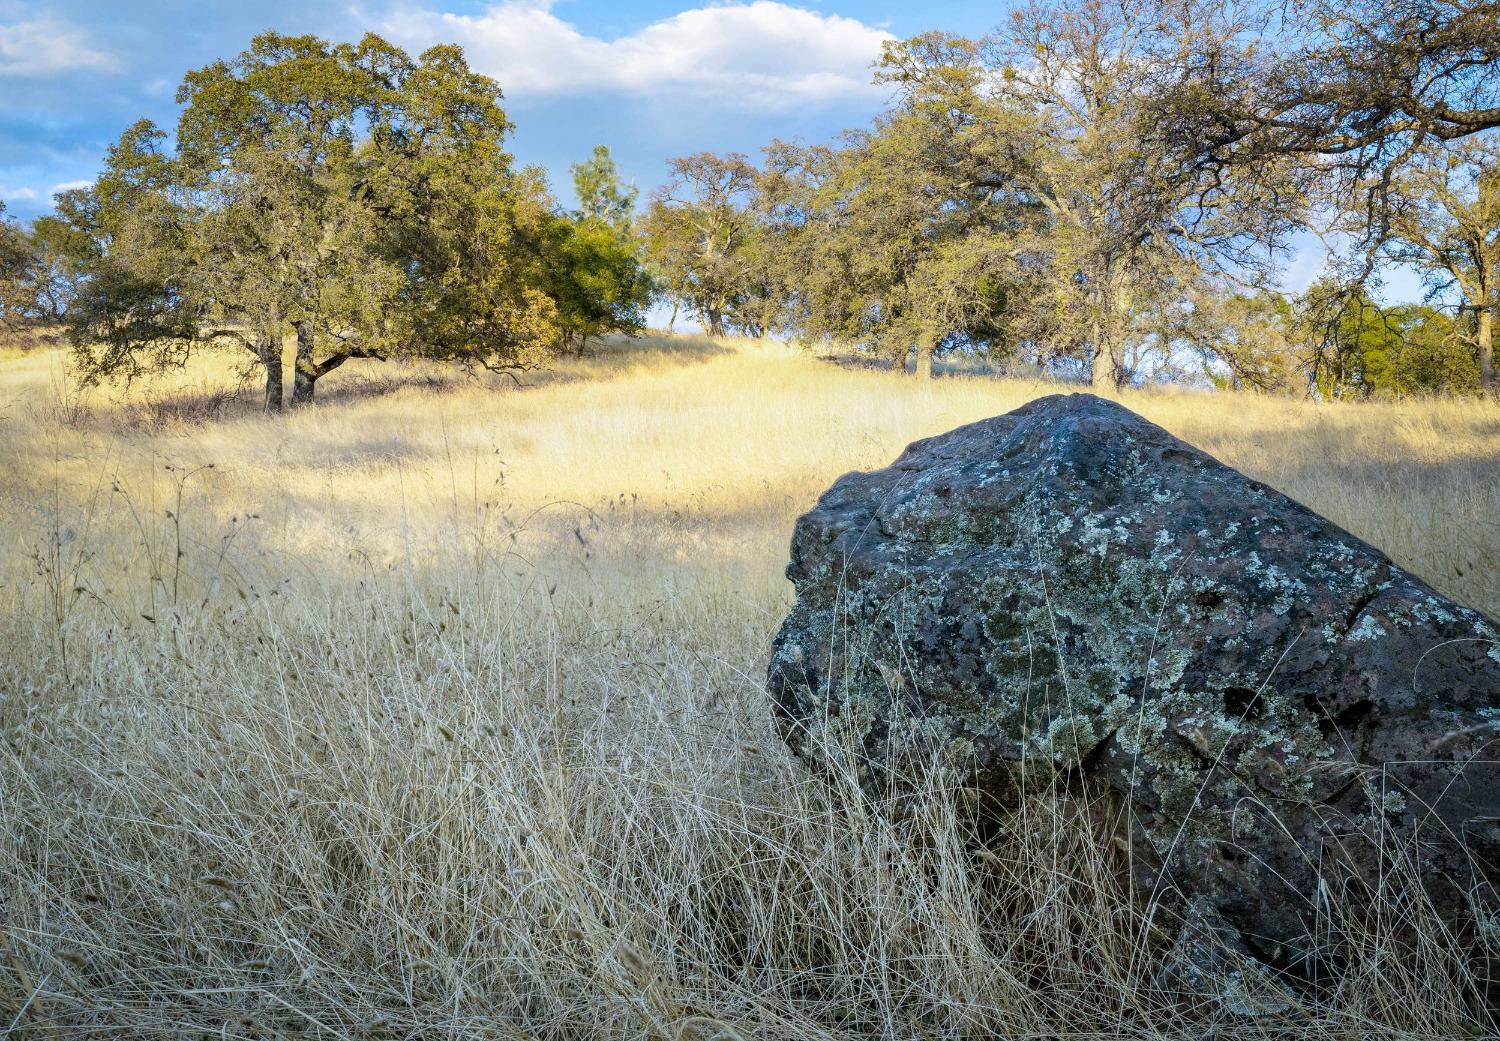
(436, 711)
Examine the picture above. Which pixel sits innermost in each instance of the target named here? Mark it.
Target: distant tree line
(1110, 188)
(1101, 189)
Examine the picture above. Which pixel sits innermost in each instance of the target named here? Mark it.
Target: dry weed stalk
(457, 729)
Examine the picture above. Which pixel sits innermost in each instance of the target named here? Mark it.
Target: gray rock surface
(1070, 590)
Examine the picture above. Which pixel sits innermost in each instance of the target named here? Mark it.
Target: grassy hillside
(436, 711)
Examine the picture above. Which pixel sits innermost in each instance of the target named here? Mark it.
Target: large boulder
(1070, 591)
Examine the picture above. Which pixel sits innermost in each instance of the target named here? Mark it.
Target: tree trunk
(270, 357)
(1111, 310)
(924, 357)
(715, 323)
(1486, 337)
(673, 320)
(1098, 366)
(1106, 369)
(1103, 372)
(1123, 304)
(306, 378)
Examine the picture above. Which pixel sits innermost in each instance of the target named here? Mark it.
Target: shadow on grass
(156, 408)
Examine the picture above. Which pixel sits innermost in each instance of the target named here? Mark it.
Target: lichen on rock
(1068, 590)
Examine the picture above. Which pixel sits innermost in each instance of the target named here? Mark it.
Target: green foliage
(55, 277)
(17, 263)
(697, 230)
(1334, 341)
(476, 295)
(602, 197)
(1434, 355)
(465, 228)
(349, 193)
(892, 240)
(596, 274)
(1025, 195)
(1052, 194)
(1443, 216)
(1093, 188)
(1363, 350)
(597, 281)
(1249, 341)
(127, 238)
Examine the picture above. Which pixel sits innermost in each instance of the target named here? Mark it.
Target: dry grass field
(436, 711)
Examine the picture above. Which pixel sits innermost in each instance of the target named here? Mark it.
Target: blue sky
(650, 78)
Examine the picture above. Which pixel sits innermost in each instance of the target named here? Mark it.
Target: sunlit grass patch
(436, 710)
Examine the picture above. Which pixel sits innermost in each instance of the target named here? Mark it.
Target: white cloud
(44, 46)
(1307, 263)
(763, 54)
(24, 193)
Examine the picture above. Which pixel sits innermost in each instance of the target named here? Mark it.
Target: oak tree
(345, 194)
(697, 227)
(1445, 219)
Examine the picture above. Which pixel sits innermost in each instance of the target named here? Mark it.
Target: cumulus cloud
(39, 196)
(45, 46)
(763, 54)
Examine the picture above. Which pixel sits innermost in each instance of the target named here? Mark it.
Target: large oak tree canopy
(1363, 76)
(348, 194)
